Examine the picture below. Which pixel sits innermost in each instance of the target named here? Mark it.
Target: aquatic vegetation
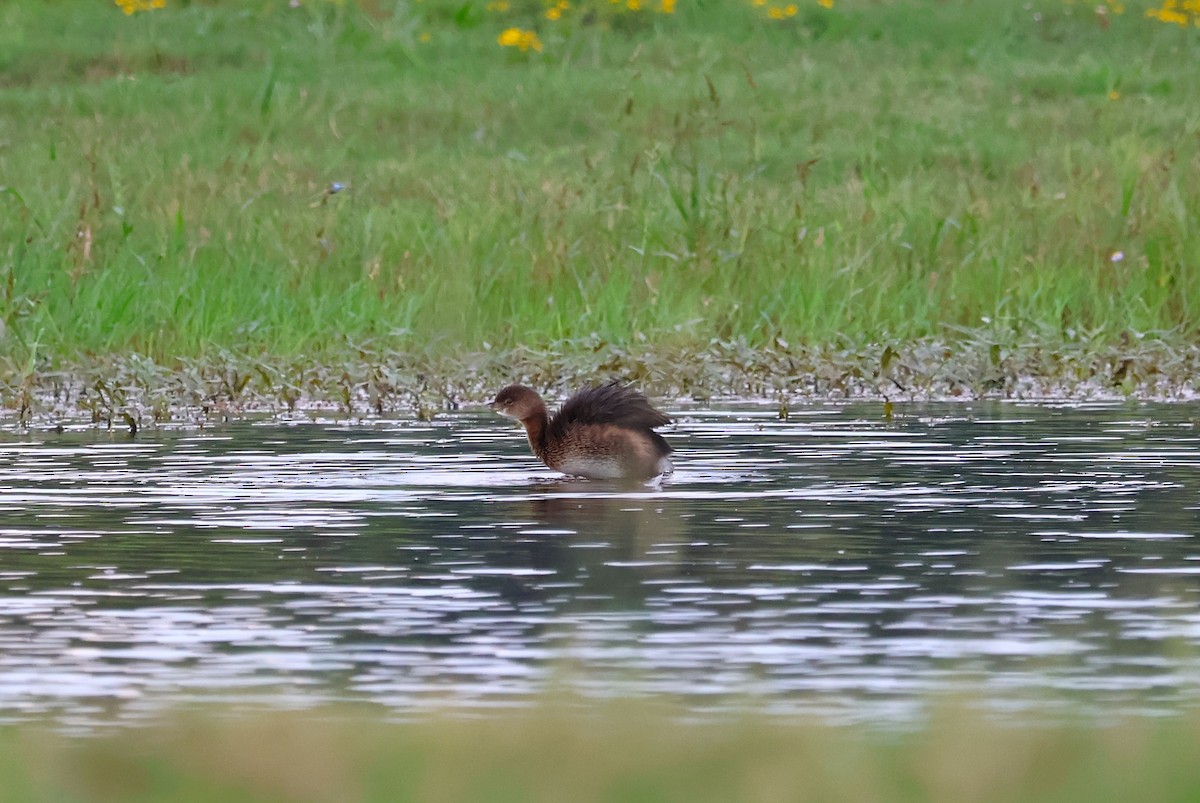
(367, 379)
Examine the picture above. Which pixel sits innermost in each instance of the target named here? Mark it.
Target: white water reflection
(833, 563)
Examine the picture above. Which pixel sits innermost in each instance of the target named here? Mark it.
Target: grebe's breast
(594, 467)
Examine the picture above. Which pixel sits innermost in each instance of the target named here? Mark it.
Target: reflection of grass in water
(622, 754)
(881, 170)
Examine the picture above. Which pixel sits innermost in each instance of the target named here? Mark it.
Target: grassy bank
(229, 186)
(616, 756)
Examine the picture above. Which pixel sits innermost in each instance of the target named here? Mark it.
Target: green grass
(900, 172)
(622, 755)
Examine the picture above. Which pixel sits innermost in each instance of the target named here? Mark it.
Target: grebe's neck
(535, 428)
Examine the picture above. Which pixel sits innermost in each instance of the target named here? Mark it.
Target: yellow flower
(666, 6)
(783, 12)
(825, 3)
(1178, 13)
(522, 40)
(1176, 17)
(554, 13)
(425, 36)
(131, 7)
(633, 5)
(1114, 95)
(498, 5)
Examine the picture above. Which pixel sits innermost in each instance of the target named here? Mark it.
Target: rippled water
(833, 563)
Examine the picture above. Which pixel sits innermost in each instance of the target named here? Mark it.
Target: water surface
(1037, 557)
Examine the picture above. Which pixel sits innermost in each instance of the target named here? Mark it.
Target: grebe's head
(516, 401)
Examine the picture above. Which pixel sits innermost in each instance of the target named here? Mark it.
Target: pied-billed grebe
(600, 433)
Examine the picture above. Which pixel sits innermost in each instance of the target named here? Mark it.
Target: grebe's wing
(613, 403)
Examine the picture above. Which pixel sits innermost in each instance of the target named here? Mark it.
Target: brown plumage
(604, 432)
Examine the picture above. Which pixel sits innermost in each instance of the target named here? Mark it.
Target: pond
(1034, 557)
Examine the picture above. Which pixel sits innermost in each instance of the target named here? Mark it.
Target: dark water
(1037, 557)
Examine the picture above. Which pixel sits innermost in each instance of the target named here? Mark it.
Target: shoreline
(125, 389)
